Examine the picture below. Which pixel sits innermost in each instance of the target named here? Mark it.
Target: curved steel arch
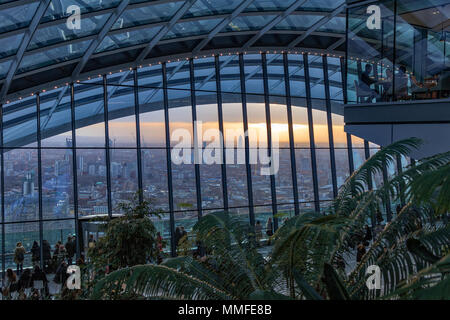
(157, 49)
(18, 137)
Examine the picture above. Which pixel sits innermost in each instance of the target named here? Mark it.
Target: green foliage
(129, 239)
(432, 283)
(306, 259)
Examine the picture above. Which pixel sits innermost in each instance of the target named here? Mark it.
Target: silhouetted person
(19, 257)
(70, 248)
(35, 253)
(360, 252)
(269, 230)
(398, 209)
(47, 255)
(366, 81)
(368, 235)
(401, 83)
(177, 236)
(39, 280)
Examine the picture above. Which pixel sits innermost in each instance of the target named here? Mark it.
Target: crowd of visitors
(33, 282)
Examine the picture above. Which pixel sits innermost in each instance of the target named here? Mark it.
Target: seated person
(366, 81)
(401, 84)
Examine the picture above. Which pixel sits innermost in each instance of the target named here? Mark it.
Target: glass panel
(253, 75)
(56, 10)
(422, 51)
(21, 185)
(60, 33)
(320, 129)
(297, 75)
(92, 187)
(373, 44)
(275, 71)
(316, 77)
(297, 22)
(342, 166)
(124, 176)
(154, 177)
(57, 184)
(229, 75)
(357, 142)
(300, 123)
(335, 79)
(304, 175)
(4, 68)
(258, 145)
(359, 158)
(339, 135)
(211, 7)
(235, 143)
(181, 133)
(121, 116)
(145, 15)
(19, 123)
(26, 234)
(56, 118)
(89, 115)
(269, 5)
(335, 25)
(185, 221)
(191, 28)
(53, 56)
(324, 174)
(126, 39)
(248, 23)
(10, 45)
(321, 5)
(283, 178)
(208, 130)
(17, 17)
(55, 231)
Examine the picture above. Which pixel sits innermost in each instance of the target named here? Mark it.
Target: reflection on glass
(121, 116)
(26, 233)
(57, 184)
(124, 176)
(320, 128)
(21, 185)
(300, 124)
(339, 135)
(324, 174)
(19, 123)
(154, 177)
(304, 175)
(91, 178)
(89, 115)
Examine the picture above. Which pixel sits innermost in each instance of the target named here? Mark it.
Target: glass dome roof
(38, 50)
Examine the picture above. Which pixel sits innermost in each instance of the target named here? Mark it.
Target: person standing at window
(19, 257)
(35, 253)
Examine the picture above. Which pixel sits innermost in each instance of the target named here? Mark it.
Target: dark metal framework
(159, 47)
(165, 86)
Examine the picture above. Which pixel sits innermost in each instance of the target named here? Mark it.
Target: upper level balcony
(398, 72)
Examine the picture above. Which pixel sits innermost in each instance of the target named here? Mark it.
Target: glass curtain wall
(255, 135)
(398, 50)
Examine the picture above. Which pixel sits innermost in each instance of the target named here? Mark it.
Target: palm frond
(232, 252)
(304, 244)
(155, 281)
(357, 183)
(390, 252)
(432, 283)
